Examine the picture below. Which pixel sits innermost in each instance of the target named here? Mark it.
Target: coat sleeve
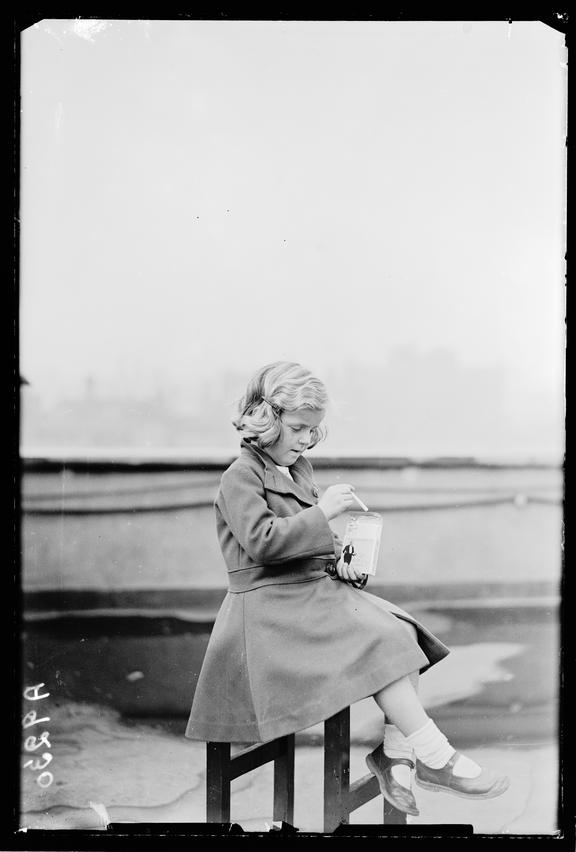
(267, 538)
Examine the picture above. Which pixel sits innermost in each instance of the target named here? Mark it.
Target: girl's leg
(439, 766)
(395, 743)
(395, 746)
(400, 703)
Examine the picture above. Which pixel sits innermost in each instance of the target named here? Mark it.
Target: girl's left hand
(348, 572)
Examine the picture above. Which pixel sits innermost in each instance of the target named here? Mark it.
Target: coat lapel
(274, 480)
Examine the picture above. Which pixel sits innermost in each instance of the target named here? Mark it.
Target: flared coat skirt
(284, 657)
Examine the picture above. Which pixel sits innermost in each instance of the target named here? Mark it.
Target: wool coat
(291, 644)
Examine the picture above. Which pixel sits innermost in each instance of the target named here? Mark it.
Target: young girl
(296, 639)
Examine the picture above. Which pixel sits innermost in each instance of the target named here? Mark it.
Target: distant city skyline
(418, 404)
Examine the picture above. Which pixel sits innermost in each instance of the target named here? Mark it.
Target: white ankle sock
(432, 748)
(465, 767)
(396, 745)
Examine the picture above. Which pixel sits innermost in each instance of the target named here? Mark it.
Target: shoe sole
(438, 788)
(371, 764)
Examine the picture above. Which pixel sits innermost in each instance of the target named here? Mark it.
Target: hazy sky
(200, 195)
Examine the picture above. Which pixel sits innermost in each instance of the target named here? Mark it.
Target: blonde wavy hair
(274, 389)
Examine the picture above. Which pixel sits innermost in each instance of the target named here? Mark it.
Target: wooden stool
(340, 798)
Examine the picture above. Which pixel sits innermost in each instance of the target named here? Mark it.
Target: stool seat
(340, 797)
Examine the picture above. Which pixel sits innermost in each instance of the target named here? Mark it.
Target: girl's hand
(348, 572)
(336, 499)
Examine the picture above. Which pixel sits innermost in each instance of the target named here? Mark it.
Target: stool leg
(392, 816)
(217, 782)
(336, 770)
(284, 782)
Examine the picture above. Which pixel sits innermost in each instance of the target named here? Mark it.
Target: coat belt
(298, 571)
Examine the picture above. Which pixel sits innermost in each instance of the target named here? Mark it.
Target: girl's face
(296, 434)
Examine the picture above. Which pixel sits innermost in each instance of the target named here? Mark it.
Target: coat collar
(301, 487)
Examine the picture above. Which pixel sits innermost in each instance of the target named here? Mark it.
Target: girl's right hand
(348, 572)
(336, 499)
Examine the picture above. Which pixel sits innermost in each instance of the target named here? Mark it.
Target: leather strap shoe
(485, 786)
(399, 796)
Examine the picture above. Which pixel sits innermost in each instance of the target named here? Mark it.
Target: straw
(360, 503)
